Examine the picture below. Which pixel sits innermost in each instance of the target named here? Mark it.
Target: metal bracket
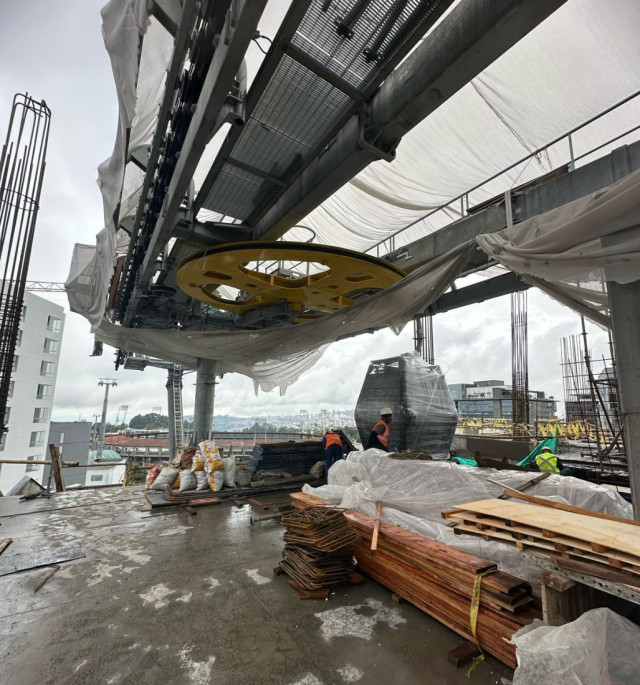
(368, 135)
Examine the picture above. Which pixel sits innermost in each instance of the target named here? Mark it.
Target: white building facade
(33, 382)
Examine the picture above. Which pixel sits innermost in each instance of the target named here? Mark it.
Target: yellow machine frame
(346, 273)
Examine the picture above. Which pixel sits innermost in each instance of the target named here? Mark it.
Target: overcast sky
(54, 51)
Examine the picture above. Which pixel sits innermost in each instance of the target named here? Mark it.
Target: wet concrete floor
(192, 600)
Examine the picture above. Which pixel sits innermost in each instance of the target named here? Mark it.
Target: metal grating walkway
(308, 86)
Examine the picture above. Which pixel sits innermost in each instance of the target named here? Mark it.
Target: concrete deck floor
(180, 599)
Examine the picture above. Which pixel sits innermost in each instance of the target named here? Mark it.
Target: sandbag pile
(319, 544)
(200, 468)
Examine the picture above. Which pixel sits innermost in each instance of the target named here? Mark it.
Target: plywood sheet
(607, 534)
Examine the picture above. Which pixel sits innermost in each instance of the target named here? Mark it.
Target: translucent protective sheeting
(88, 281)
(577, 63)
(424, 414)
(599, 647)
(414, 493)
(571, 251)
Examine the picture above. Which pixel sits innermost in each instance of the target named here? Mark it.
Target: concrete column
(624, 303)
(205, 395)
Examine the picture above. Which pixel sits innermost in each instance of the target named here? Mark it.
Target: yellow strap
(473, 616)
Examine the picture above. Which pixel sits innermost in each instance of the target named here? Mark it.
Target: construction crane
(46, 286)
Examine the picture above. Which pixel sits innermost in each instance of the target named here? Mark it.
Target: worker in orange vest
(381, 432)
(332, 444)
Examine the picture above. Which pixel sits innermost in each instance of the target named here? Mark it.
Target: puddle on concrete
(199, 672)
(256, 577)
(350, 621)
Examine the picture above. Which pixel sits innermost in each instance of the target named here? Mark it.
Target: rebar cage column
(21, 174)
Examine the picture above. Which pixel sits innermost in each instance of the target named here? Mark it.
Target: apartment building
(33, 382)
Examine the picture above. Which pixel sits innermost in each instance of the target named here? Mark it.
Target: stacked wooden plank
(318, 550)
(439, 580)
(294, 457)
(593, 537)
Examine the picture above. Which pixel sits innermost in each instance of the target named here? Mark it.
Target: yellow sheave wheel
(346, 272)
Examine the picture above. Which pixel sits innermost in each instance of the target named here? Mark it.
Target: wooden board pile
(318, 550)
(602, 540)
(439, 580)
(294, 457)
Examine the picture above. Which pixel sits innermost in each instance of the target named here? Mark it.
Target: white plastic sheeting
(571, 251)
(139, 79)
(577, 63)
(414, 493)
(599, 647)
(560, 251)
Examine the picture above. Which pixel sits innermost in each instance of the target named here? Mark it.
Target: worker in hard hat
(332, 445)
(546, 460)
(380, 433)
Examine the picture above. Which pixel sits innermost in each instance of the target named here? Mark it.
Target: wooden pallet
(605, 540)
(490, 528)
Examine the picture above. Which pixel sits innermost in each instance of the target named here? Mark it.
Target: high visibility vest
(547, 461)
(332, 439)
(383, 437)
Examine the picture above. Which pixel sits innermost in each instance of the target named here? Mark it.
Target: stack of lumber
(294, 457)
(439, 580)
(318, 550)
(550, 530)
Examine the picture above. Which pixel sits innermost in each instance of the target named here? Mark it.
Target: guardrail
(389, 244)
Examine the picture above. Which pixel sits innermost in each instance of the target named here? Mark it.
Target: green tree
(149, 421)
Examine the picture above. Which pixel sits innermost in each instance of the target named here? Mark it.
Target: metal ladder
(175, 379)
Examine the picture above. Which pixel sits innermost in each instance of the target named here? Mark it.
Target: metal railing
(389, 244)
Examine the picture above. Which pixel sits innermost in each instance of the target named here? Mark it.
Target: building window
(47, 368)
(11, 386)
(19, 339)
(31, 467)
(95, 478)
(14, 367)
(23, 313)
(3, 441)
(7, 414)
(51, 346)
(37, 439)
(54, 324)
(40, 414)
(44, 391)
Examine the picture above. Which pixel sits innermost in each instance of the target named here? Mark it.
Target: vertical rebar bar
(519, 364)
(22, 166)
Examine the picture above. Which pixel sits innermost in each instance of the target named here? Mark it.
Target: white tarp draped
(598, 647)
(554, 250)
(580, 61)
(139, 49)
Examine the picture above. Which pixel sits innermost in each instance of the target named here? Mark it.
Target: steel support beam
(624, 303)
(204, 400)
(241, 22)
(478, 292)
(526, 203)
(468, 40)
